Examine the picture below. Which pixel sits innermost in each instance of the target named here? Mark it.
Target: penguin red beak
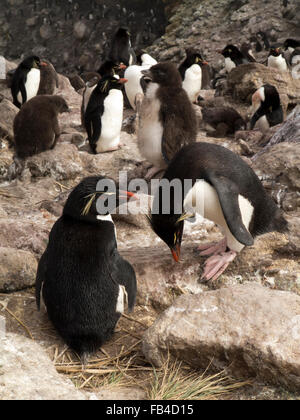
(43, 64)
(127, 195)
(122, 66)
(122, 81)
(205, 63)
(176, 252)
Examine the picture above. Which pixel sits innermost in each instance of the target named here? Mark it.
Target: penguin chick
(191, 73)
(26, 80)
(224, 120)
(133, 74)
(277, 60)
(36, 127)
(233, 57)
(84, 281)
(104, 115)
(48, 80)
(167, 119)
(223, 189)
(121, 50)
(268, 109)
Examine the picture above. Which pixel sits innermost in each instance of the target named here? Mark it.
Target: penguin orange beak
(122, 66)
(127, 195)
(123, 81)
(176, 252)
(43, 64)
(205, 63)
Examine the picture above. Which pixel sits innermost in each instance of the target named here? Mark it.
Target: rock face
(76, 35)
(38, 379)
(248, 330)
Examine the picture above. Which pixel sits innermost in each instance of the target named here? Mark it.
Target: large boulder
(244, 80)
(248, 330)
(8, 112)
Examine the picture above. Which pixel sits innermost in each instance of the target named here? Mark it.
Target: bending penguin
(84, 282)
(267, 108)
(222, 188)
(26, 80)
(104, 115)
(167, 120)
(191, 73)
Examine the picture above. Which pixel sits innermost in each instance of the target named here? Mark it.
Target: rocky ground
(247, 323)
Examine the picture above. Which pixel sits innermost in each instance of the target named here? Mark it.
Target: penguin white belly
(32, 84)
(229, 64)
(111, 121)
(262, 124)
(147, 60)
(203, 199)
(277, 62)
(150, 128)
(133, 74)
(192, 83)
(121, 300)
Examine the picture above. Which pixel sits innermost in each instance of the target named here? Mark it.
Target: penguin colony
(87, 286)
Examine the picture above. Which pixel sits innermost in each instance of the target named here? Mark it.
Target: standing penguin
(191, 73)
(233, 57)
(277, 60)
(121, 50)
(167, 119)
(223, 189)
(49, 79)
(267, 106)
(84, 281)
(104, 115)
(134, 75)
(26, 80)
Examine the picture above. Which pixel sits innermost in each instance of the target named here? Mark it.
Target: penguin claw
(213, 248)
(217, 264)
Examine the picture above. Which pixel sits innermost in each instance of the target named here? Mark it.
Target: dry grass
(178, 382)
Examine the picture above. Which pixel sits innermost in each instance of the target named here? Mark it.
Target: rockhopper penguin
(233, 57)
(223, 189)
(167, 120)
(277, 60)
(191, 73)
(85, 283)
(267, 106)
(26, 80)
(104, 114)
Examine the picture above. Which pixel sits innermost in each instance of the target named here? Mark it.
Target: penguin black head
(291, 43)
(111, 68)
(194, 57)
(60, 103)
(94, 196)
(232, 52)
(165, 74)
(122, 33)
(170, 230)
(109, 82)
(275, 51)
(33, 62)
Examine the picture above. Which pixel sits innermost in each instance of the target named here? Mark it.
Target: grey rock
(248, 330)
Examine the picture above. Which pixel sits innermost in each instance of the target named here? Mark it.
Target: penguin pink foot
(152, 172)
(213, 248)
(217, 264)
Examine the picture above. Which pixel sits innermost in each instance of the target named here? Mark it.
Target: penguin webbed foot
(213, 248)
(216, 265)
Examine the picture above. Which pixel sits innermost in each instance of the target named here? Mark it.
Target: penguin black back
(231, 177)
(121, 49)
(192, 57)
(84, 280)
(270, 106)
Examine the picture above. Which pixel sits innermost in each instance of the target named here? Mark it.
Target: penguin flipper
(258, 114)
(229, 199)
